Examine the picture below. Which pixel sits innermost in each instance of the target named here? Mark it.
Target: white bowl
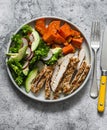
(85, 45)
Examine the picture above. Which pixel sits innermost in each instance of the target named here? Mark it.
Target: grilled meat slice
(57, 93)
(59, 76)
(80, 71)
(38, 78)
(69, 74)
(78, 80)
(56, 69)
(40, 85)
(68, 86)
(48, 76)
(63, 58)
(60, 73)
(47, 89)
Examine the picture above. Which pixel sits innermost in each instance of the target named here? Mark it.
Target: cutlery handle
(102, 94)
(94, 87)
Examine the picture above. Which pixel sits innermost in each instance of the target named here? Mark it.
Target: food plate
(88, 58)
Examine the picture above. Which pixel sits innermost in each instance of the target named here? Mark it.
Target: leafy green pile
(16, 64)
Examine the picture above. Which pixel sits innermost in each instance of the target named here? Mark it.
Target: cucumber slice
(36, 41)
(29, 79)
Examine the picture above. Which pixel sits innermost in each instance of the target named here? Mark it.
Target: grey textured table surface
(17, 112)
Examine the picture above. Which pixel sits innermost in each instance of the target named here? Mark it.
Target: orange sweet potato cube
(40, 26)
(65, 30)
(77, 42)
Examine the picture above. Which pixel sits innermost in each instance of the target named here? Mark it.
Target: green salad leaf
(16, 43)
(25, 30)
(19, 80)
(17, 73)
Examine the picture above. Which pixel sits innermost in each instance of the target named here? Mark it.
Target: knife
(103, 80)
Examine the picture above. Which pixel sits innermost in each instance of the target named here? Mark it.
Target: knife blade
(103, 79)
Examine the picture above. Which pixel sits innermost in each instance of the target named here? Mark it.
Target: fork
(95, 45)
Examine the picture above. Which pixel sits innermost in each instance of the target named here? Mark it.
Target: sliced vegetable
(26, 71)
(30, 57)
(48, 56)
(56, 54)
(31, 76)
(31, 37)
(36, 41)
(28, 52)
(18, 56)
(56, 50)
(68, 49)
(25, 64)
(25, 42)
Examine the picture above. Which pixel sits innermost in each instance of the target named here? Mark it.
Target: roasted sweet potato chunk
(40, 26)
(65, 30)
(68, 49)
(77, 42)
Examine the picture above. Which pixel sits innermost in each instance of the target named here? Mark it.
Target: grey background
(18, 112)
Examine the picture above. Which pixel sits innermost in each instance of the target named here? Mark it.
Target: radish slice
(31, 37)
(28, 52)
(25, 64)
(48, 56)
(25, 42)
(30, 57)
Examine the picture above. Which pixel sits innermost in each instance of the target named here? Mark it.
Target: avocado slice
(56, 50)
(29, 79)
(36, 41)
(18, 56)
(25, 71)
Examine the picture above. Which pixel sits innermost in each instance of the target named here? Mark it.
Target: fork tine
(98, 31)
(92, 31)
(95, 31)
